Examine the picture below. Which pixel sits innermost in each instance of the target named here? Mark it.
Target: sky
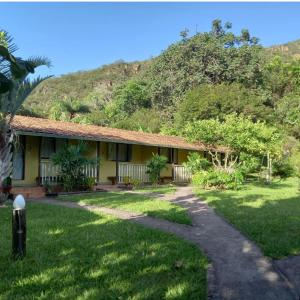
(84, 36)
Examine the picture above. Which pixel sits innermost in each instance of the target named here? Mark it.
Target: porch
(125, 171)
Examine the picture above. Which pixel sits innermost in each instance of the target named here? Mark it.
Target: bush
(88, 183)
(155, 165)
(196, 163)
(250, 164)
(283, 168)
(71, 161)
(219, 179)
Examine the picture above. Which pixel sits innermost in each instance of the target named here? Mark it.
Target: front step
(29, 192)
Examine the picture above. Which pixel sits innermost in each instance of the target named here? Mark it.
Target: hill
(213, 73)
(288, 50)
(93, 88)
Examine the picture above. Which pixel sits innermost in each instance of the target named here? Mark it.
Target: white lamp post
(19, 202)
(19, 227)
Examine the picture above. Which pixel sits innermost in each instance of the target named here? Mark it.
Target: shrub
(218, 178)
(134, 182)
(71, 161)
(88, 183)
(250, 164)
(155, 165)
(196, 163)
(283, 168)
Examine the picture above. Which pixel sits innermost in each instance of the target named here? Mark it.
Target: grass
(267, 214)
(134, 203)
(76, 254)
(162, 189)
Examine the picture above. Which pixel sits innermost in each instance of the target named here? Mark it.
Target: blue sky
(83, 36)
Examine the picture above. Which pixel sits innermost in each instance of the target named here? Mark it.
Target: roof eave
(43, 134)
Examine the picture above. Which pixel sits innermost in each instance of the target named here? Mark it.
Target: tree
(130, 97)
(68, 110)
(154, 167)
(211, 101)
(280, 78)
(147, 120)
(288, 113)
(14, 89)
(237, 135)
(209, 57)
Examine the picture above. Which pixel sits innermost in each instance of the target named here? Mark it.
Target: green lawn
(76, 254)
(134, 203)
(160, 189)
(267, 214)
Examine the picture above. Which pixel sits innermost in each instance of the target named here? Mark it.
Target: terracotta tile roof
(46, 127)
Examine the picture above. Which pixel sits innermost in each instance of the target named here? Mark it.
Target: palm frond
(7, 47)
(22, 68)
(37, 61)
(8, 41)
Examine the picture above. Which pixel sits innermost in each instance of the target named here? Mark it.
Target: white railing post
(50, 173)
(133, 171)
(181, 174)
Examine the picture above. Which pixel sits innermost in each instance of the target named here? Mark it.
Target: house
(123, 153)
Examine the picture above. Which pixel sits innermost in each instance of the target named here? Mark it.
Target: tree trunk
(6, 139)
(269, 168)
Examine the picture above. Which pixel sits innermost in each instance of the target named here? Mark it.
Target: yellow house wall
(107, 167)
(137, 154)
(182, 156)
(146, 152)
(167, 172)
(31, 171)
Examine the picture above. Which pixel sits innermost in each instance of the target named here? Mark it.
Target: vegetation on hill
(288, 50)
(92, 88)
(207, 75)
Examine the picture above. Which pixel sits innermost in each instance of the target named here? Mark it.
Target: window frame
(22, 144)
(172, 154)
(113, 157)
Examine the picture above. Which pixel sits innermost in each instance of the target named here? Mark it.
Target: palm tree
(67, 110)
(14, 89)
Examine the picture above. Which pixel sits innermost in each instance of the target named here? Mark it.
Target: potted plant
(49, 190)
(6, 187)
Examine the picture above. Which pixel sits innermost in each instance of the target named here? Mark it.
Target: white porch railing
(133, 171)
(138, 171)
(50, 173)
(181, 174)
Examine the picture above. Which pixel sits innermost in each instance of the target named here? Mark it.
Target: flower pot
(6, 189)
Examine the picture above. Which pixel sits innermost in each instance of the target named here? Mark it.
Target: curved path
(239, 270)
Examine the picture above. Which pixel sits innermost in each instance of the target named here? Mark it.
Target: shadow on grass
(134, 203)
(78, 254)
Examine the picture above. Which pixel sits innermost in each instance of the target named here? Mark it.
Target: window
(49, 146)
(175, 156)
(170, 153)
(59, 144)
(19, 159)
(125, 152)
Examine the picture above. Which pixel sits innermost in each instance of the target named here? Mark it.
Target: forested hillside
(207, 75)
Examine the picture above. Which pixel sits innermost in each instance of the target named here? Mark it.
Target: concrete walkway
(290, 267)
(239, 271)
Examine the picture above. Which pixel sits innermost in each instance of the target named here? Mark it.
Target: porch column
(98, 164)
(117, 163)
